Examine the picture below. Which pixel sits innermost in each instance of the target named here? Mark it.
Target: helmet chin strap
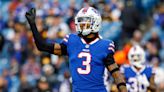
(80, 33)
(87, 39)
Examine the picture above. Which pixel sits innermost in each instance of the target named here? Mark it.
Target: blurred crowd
(25, 69)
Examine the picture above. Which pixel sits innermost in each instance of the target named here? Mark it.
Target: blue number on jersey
(137, 81)
(86, 62)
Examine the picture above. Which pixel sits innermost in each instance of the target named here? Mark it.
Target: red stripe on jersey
(67, 36)
(65, 40)
(111, 48)
(85, 10)
(111, 44)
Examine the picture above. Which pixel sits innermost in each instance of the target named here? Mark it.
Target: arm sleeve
(63, 48)
(64, 45)
(40, 43)
(109, 58)
(122, 70)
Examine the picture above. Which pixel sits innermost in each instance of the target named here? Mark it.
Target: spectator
(130, 18)
(159, 73)
(159, 16)
(65, 85)
(15, 82)
(43, 85)
(49, 75)
(155, 40)
(24, 84)
(137, 37)
(13, 5)
(70, 20)
(14, 66)
(111, 25)
(57, 25)
(32, 70)
(9, 32)
(7, 79)
(3, 87)
(152, 52)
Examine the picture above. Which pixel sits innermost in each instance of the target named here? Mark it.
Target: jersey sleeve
(153, 70)
(64, 45)
(122, 69)
(111, 48)
(65, 40)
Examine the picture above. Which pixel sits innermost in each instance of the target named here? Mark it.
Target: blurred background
(127, 22)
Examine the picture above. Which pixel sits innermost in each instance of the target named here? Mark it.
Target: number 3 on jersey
(85, 63)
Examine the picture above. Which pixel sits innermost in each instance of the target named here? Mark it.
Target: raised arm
(41, 44)
(114, 70)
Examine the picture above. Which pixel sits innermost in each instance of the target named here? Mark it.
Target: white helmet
(87, 20)
(136, 56)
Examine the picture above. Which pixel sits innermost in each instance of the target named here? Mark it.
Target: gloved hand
(30, 15)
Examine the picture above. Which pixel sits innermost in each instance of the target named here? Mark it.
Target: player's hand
(30, 15)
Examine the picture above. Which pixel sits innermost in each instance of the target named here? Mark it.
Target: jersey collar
(138, 72)
(92, 42)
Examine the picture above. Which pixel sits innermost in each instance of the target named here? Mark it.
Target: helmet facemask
(136, 60)
(84, 25)
(87, 20)
(136, 56)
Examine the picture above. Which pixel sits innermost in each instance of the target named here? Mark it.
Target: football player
(88, 53)
(139, 76)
